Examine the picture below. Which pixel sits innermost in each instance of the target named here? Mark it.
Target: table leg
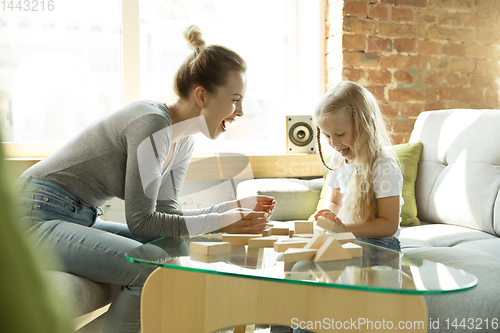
(175, 300)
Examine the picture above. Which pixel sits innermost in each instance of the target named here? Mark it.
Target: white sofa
(458, 201)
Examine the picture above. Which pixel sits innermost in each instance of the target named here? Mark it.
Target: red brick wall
(416, 55)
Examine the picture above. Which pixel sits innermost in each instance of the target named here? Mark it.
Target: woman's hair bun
(193, 36)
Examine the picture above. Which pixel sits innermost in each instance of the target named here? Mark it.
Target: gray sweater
(102, 162)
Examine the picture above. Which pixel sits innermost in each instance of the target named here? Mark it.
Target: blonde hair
(208, 66)
(371, 136)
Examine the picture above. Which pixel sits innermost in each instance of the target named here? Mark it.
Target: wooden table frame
(177, 301)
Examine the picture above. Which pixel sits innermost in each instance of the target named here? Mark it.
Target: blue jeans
(85, 246)
(391, 242)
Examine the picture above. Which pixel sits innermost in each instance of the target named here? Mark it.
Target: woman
(139, 154)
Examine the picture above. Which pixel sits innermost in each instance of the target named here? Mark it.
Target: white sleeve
(387, 178)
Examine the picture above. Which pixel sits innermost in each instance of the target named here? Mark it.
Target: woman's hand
(242, 221)
(258, 203)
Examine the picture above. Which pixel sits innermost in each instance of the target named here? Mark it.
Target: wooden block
(304, 227)
(209, 248)
(252, 259)
(266, 232)
(308, 276)
(353, 249)
(332, 276)
(325, 224)
(303, 235)
(280, 231)
(295, 239)
(290, 233)
(262, 242)
(239, 239)
(343, 237)
(282, 247)
(293, 254)
(331, 250)
(316, 242)
(226, 256)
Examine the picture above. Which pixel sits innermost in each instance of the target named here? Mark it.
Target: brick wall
(416, 55)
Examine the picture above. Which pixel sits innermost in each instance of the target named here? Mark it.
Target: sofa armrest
(296, 199)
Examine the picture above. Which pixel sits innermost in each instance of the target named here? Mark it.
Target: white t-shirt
(387, 178)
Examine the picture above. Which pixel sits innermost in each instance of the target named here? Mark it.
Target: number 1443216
(27, 5)
(472, 323)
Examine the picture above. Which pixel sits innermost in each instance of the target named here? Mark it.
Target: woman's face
(222, 107)
(340, 133)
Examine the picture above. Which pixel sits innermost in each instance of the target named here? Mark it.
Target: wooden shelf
(227, 167)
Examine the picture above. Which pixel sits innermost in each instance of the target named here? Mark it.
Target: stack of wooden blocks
(299, 244)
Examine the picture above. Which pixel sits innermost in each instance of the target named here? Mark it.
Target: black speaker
(300, 135)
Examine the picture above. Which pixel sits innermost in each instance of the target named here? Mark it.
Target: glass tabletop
(377, 269)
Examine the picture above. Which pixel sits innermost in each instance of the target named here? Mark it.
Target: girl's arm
(384, 226)
(335, 200)
(332, 207)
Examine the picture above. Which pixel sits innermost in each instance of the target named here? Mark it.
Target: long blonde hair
(371, 136)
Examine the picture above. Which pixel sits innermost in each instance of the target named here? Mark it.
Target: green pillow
(408, 155)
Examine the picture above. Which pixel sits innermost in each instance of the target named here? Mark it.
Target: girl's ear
(200, 94)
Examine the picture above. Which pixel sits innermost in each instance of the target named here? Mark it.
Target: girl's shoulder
(387, 156)
(386, 163)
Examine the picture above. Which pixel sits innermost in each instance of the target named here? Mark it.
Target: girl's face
(222, 107)
(340, 133)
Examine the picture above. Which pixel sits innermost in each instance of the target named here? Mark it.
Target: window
(61, 70)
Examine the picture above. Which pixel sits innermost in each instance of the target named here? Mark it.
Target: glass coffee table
(380, 290)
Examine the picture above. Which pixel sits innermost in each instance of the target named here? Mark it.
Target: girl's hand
(339, 222)
(242, 221)
(258, 203)
(329, 215)
(326, 213)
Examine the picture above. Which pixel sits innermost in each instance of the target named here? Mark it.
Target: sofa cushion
(458, 178)
(408, 155)
(440, 235)
(296, 199)
(82, 295)
(479, 303)
(471, 250)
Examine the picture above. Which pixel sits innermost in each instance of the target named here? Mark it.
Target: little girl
(365, 179)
